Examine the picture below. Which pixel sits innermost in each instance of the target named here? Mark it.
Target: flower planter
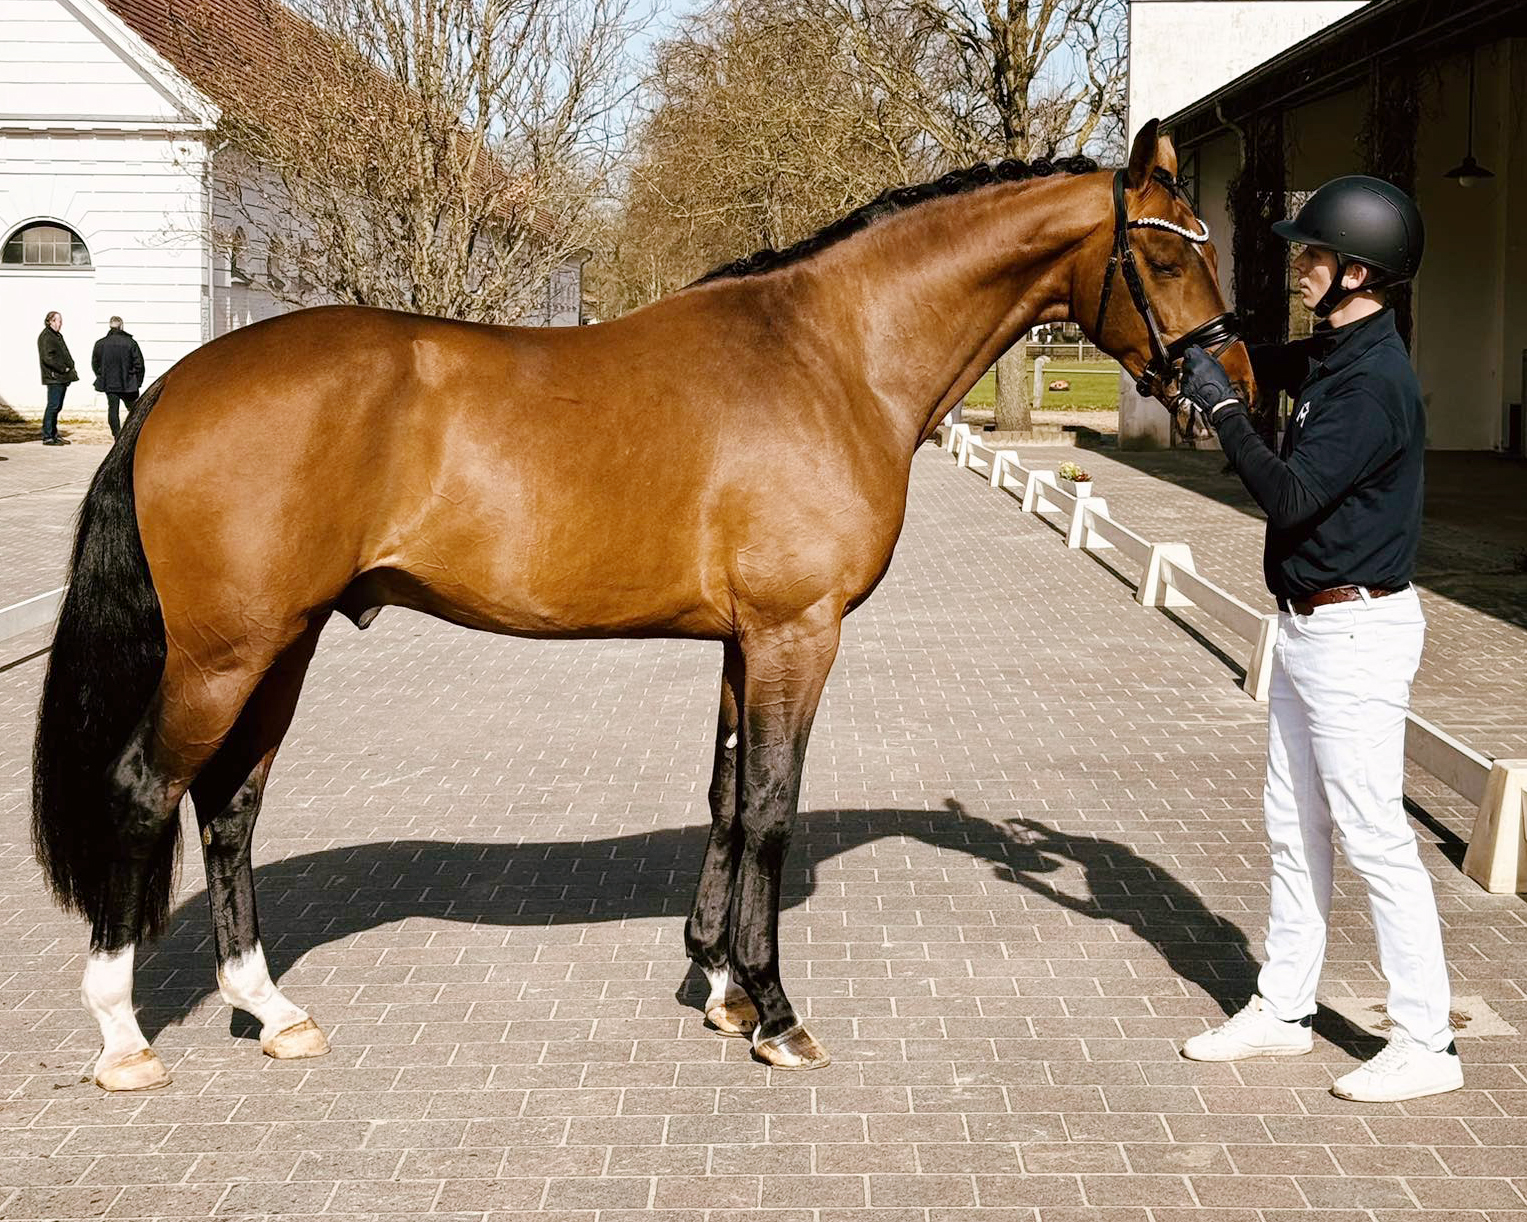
(1077, 488)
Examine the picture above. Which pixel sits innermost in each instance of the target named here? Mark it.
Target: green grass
(1096, 389)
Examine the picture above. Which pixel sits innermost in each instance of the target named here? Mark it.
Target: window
(45, 245)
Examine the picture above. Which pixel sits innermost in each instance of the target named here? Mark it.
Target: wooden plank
(1222, 605)
(1124, 539)
(1457, 765)
(36, 612)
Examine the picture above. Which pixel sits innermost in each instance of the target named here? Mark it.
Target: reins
(1214, 335)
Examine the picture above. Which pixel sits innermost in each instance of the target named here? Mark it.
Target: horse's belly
(594, 592)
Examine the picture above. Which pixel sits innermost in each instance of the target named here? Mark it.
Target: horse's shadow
(314, 899)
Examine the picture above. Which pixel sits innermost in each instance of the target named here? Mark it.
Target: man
(118, 364)
(1343, 505)
(57, 373)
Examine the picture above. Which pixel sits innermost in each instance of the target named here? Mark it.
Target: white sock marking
(245, 983)
(107, 992)
(720, 983)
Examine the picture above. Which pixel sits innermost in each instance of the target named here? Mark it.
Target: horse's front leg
(785, 668)
(727, 1008)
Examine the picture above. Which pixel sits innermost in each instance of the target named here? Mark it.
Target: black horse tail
(107, 660)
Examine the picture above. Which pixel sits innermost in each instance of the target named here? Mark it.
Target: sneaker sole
(1415, 1094)
(1249, 1056)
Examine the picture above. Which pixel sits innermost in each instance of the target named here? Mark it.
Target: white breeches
(1335, 765)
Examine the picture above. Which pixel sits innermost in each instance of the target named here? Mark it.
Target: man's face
(1317, 268)
(56, 322)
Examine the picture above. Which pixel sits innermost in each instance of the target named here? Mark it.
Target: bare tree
(439, 156)
(997, 78)
(757, 134)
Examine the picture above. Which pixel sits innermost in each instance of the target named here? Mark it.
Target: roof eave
(1308, 70)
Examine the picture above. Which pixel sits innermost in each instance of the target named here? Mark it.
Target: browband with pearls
(1157, 222)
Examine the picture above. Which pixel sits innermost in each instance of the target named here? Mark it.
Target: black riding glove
(1205, 384)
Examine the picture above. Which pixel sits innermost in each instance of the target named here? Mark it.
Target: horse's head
(1148, 285)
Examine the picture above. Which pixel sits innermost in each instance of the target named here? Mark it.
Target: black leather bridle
(1214, 336)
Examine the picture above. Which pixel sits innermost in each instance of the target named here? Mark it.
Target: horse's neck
(948, 285)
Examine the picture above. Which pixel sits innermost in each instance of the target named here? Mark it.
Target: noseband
(1215, 335)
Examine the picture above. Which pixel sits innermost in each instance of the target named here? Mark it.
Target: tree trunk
(1014, 394)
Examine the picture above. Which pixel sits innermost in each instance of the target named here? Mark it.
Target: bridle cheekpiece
(1215, 335)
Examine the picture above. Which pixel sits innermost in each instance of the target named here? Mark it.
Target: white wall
(60, 64)
(137, 203)
(99, 135)
(1182, 50)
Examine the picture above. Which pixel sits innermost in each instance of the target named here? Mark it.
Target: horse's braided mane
(899, 199)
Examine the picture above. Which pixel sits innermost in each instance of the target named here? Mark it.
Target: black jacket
(53, 356)
(118, 363)
(1343, 495)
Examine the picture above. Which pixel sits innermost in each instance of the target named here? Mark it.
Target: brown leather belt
(1337, 594)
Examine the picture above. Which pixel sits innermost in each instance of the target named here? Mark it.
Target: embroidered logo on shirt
(1304, 410)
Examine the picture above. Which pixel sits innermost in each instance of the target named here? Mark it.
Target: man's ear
(1356, 276)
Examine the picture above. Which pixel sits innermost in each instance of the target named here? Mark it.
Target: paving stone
(1030, 863)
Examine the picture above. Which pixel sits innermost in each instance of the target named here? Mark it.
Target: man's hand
(1205, 384)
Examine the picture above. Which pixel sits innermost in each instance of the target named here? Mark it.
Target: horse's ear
(1166, 155)
(1144, 153)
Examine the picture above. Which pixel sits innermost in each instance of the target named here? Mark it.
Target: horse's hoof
(304, 1039)
(793, 1049)
(734, 1016)
(142, 1070)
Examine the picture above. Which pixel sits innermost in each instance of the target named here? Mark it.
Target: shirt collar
(1344, 345)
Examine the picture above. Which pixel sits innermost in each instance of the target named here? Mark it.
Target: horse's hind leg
(185, 724)
(227, 798)
(727, 1009)
(786, 668)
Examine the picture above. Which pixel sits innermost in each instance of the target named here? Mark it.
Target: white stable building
(108, 195)
(1437, 93)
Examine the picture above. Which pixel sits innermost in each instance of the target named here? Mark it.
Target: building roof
(264, 56)
(206, 41)
(1337, 57)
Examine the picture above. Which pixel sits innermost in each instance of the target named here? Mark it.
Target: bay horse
(756, 432)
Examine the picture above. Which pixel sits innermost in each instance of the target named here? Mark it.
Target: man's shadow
(314, 899)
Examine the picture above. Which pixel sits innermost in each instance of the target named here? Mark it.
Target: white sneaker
(1404, 1070)
(1254, 1032)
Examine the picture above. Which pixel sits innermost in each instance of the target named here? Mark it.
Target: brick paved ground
(1030, 866)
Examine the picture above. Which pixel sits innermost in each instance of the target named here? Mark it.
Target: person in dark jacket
(57, 373)
(118, 364)
(1343, 502)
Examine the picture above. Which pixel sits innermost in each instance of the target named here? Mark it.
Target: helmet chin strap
(1337, 296)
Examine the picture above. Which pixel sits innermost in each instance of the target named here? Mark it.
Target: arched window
(45, 244)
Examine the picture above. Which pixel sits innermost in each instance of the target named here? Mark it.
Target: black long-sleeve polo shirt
(1343, 495)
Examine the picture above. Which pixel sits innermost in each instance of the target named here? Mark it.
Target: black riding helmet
(1361, 220)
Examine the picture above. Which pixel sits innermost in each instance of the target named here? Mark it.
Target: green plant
(1070, 471)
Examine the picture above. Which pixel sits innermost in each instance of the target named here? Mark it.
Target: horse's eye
(1167, 271)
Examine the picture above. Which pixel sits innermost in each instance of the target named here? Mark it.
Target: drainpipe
(209, 328)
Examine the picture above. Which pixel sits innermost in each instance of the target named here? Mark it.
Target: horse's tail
(107, 660)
